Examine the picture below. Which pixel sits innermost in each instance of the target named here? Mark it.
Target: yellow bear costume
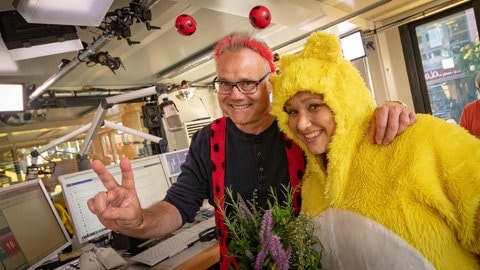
(424, 187)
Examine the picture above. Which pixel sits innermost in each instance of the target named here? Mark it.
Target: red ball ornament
(186, 24)
(260, 17)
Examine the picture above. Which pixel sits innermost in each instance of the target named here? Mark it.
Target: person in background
(470, 118)
(414, 204)
(244, 151)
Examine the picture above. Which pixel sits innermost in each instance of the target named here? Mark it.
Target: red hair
(238, 41)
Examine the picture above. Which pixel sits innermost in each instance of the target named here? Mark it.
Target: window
(447, 84)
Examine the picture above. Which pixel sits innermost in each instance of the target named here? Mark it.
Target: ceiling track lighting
(105, 59)
(117, 23)
(113, 25)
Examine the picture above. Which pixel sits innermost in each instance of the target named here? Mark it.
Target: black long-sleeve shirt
(253, 162)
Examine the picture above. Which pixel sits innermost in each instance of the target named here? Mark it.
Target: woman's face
(311, 120)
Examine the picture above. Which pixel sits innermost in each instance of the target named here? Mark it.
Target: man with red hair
(244, 150)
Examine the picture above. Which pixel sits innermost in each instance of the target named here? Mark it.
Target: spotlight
(105, 59)
(119, 21)
(184, 92)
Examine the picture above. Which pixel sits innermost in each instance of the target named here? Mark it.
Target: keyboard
(173, 245)
(72, 265)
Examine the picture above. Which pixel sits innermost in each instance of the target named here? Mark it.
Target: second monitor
(172, 161)
(150, 182)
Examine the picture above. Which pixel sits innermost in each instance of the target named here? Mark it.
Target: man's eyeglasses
(245, 87)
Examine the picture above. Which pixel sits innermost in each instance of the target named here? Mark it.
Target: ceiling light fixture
(184, 93)
(68, 12)
(24, 40)
(118, 22)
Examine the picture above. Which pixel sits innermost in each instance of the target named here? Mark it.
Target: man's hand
(390, 120)
(119, 207)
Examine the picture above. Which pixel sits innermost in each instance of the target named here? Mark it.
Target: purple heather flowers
(271, 244)
(271, 238)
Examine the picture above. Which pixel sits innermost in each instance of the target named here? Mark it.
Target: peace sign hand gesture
(118, 208)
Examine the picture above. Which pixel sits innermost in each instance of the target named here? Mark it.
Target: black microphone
(168, 109)
(32, 172)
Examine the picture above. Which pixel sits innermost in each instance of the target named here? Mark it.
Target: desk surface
(202, 260)
(200, 256)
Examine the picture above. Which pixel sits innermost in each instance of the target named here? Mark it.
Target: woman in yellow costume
(414, 204)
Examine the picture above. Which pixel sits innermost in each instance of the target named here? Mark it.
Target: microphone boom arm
(98, 119)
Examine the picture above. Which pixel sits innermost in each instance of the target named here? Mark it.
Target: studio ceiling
(163, 55)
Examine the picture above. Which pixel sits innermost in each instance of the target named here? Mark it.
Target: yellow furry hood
(321, 68)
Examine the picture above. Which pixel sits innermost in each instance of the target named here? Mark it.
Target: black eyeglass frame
(235, 84)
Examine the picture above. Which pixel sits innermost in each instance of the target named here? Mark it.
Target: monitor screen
(31, 231)
(13, 98)
(352, 46)
(78, 187)
(172, 161)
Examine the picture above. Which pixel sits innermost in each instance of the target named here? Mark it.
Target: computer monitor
(31, 231)
(150, 183)
(171, 162)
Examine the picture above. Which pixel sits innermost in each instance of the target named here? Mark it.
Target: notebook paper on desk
(173, 245)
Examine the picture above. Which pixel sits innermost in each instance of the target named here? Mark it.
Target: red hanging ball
(260, 17)
(186, 24)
